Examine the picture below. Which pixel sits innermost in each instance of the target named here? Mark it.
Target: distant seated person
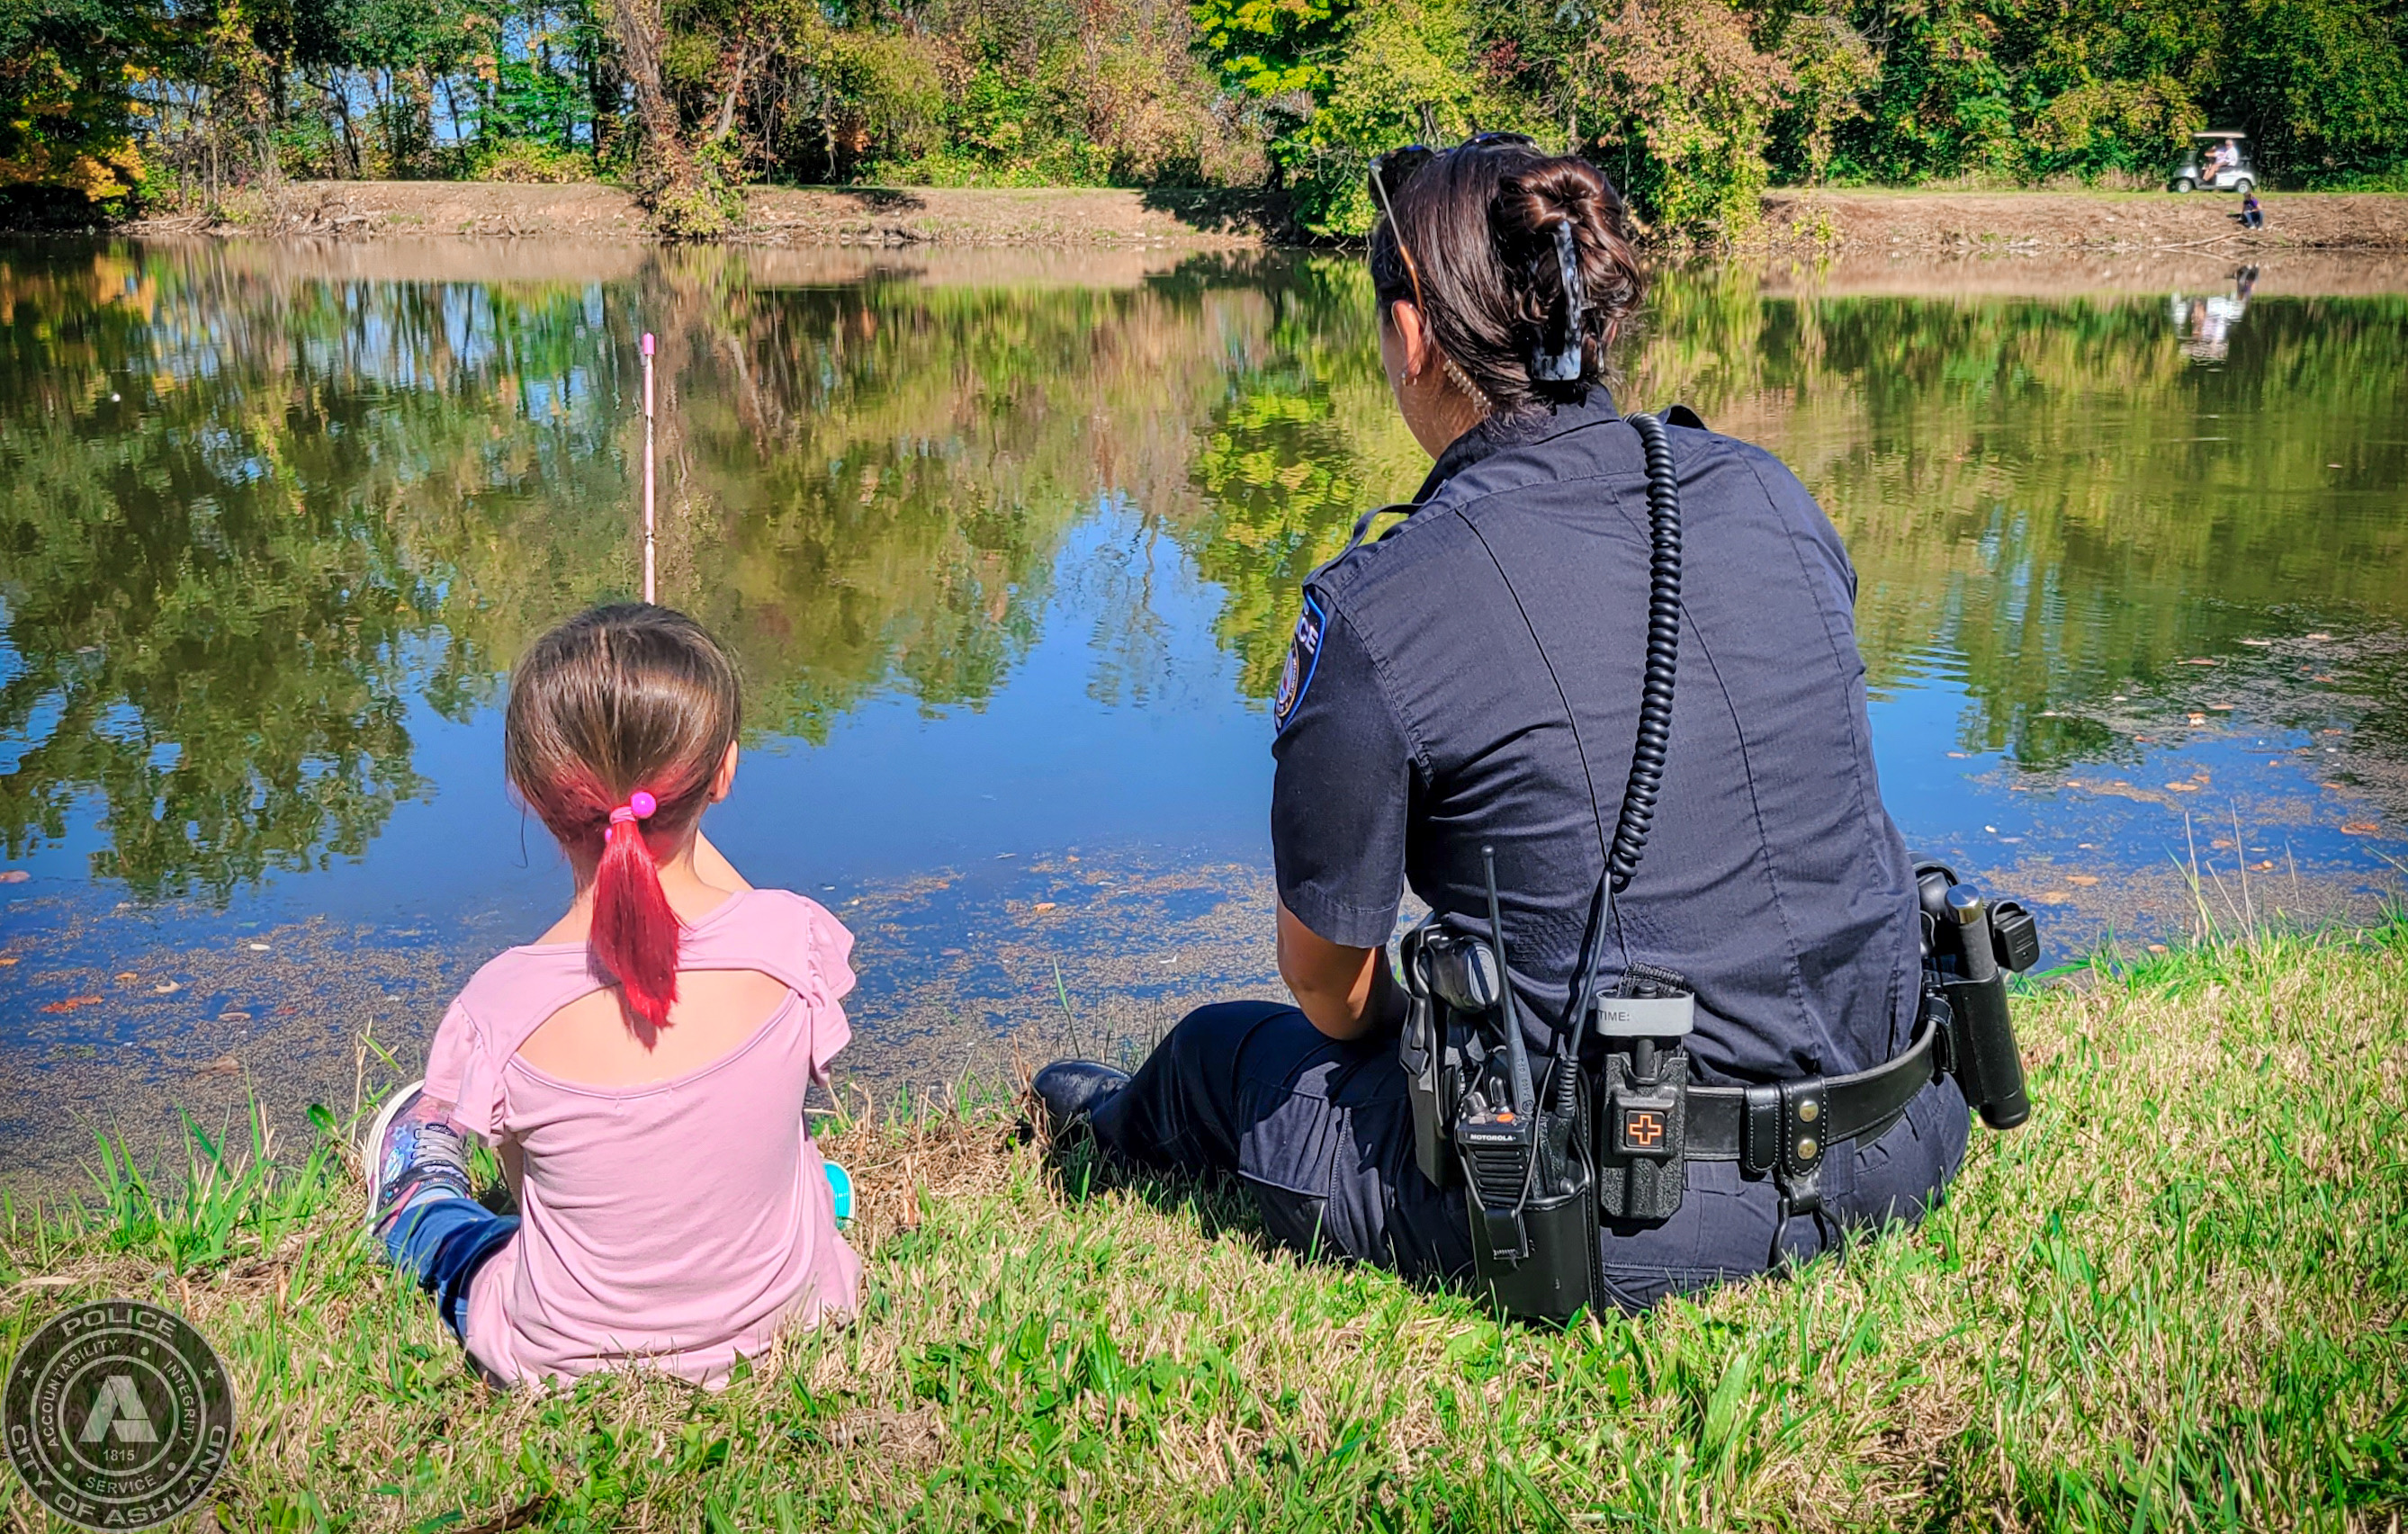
(2252, 216)
(641, 1068)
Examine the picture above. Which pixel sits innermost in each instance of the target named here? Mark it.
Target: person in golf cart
(2220, 160)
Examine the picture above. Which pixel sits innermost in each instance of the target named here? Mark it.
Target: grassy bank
(2179, 1298)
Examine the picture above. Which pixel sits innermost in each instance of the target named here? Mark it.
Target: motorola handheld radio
(1496, 1124)
(1531, 1192)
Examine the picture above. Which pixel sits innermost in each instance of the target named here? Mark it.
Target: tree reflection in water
(252, 521)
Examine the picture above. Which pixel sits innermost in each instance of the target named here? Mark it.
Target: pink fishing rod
(650, 593)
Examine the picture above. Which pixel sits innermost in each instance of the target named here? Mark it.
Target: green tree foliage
(1693, 106)
(2323, 84)
(1682, 87)
(1400, 79)
(68, 72)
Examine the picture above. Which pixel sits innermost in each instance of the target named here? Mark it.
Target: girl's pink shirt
(680, 1224)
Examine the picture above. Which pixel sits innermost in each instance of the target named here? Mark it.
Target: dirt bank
(1920, 225)
(871, 216)
(1863, 228)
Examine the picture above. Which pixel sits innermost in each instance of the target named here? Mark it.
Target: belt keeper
(1805, 1138)
(1760, 1133)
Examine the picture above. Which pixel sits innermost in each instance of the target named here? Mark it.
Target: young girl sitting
(641, 1068)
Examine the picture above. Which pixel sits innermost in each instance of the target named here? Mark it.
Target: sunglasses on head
(1391, 170)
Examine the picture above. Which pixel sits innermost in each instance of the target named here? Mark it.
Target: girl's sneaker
(413, 1154)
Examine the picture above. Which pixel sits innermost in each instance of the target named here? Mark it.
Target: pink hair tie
(639, 806)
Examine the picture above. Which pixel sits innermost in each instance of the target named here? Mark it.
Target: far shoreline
(1854, 223)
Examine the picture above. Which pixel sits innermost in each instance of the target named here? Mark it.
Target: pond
(1008, 546)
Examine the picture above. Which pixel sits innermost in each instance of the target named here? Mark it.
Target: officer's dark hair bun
(1480, 224)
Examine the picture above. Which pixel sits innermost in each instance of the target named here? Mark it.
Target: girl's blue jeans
(441, 1243)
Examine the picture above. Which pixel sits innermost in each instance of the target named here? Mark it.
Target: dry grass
(2178, 1298)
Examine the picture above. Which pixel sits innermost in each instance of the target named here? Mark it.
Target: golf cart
(2220, 161)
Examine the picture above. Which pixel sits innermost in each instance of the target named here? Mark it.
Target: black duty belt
(1789, 1126)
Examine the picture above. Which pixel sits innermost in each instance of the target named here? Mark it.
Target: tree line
(1693, 106)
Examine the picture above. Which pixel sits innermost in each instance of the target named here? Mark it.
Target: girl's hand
(712, 868)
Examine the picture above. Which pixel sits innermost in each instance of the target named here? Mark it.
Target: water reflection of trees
(2050, 497)
(202, 630)
(874, 480)
(249, 523)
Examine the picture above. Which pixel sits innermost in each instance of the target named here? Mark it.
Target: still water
(1009, 548)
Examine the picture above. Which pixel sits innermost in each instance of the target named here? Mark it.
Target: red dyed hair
(615, 702)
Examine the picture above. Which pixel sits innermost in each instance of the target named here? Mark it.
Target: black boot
(1070, 1091)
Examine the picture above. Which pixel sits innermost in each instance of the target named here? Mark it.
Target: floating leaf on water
(2258, 644)
(2221, 842)
(2348, 828)
(2318, 638)
(126, 977)
(2261, 868)
(234, 1017)
(259, 948)
(2220, 708)
(2054, 897)
(2201, 660)
(2085, 879)
(2157, 947)
(2320, 677)
(13, 876)
(225, 1065)
(71, 1003)
(6, 960)
(166, 988)
(2334, 788)
(2199, 719)
(2184, 788)
(1042, 904)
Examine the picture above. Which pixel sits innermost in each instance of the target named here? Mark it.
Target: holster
(1425, 1050)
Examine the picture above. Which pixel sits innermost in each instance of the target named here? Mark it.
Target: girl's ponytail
(635, 934)
(618, 723)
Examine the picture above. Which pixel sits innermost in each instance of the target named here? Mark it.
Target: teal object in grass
(841, 1187)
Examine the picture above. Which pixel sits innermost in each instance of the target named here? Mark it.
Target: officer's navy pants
(1322, 1134)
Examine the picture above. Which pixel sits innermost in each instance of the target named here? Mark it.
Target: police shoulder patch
(1303, 657)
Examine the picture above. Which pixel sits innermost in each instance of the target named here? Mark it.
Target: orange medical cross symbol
(1643, 1129)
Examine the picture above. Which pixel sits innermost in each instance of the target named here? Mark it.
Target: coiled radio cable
(1663, 654)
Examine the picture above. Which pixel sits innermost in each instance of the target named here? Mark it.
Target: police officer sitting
(1472, 678)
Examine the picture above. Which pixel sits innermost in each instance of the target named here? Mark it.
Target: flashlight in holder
(1975, 942)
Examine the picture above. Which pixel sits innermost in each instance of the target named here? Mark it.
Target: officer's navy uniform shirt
(1473, 677)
